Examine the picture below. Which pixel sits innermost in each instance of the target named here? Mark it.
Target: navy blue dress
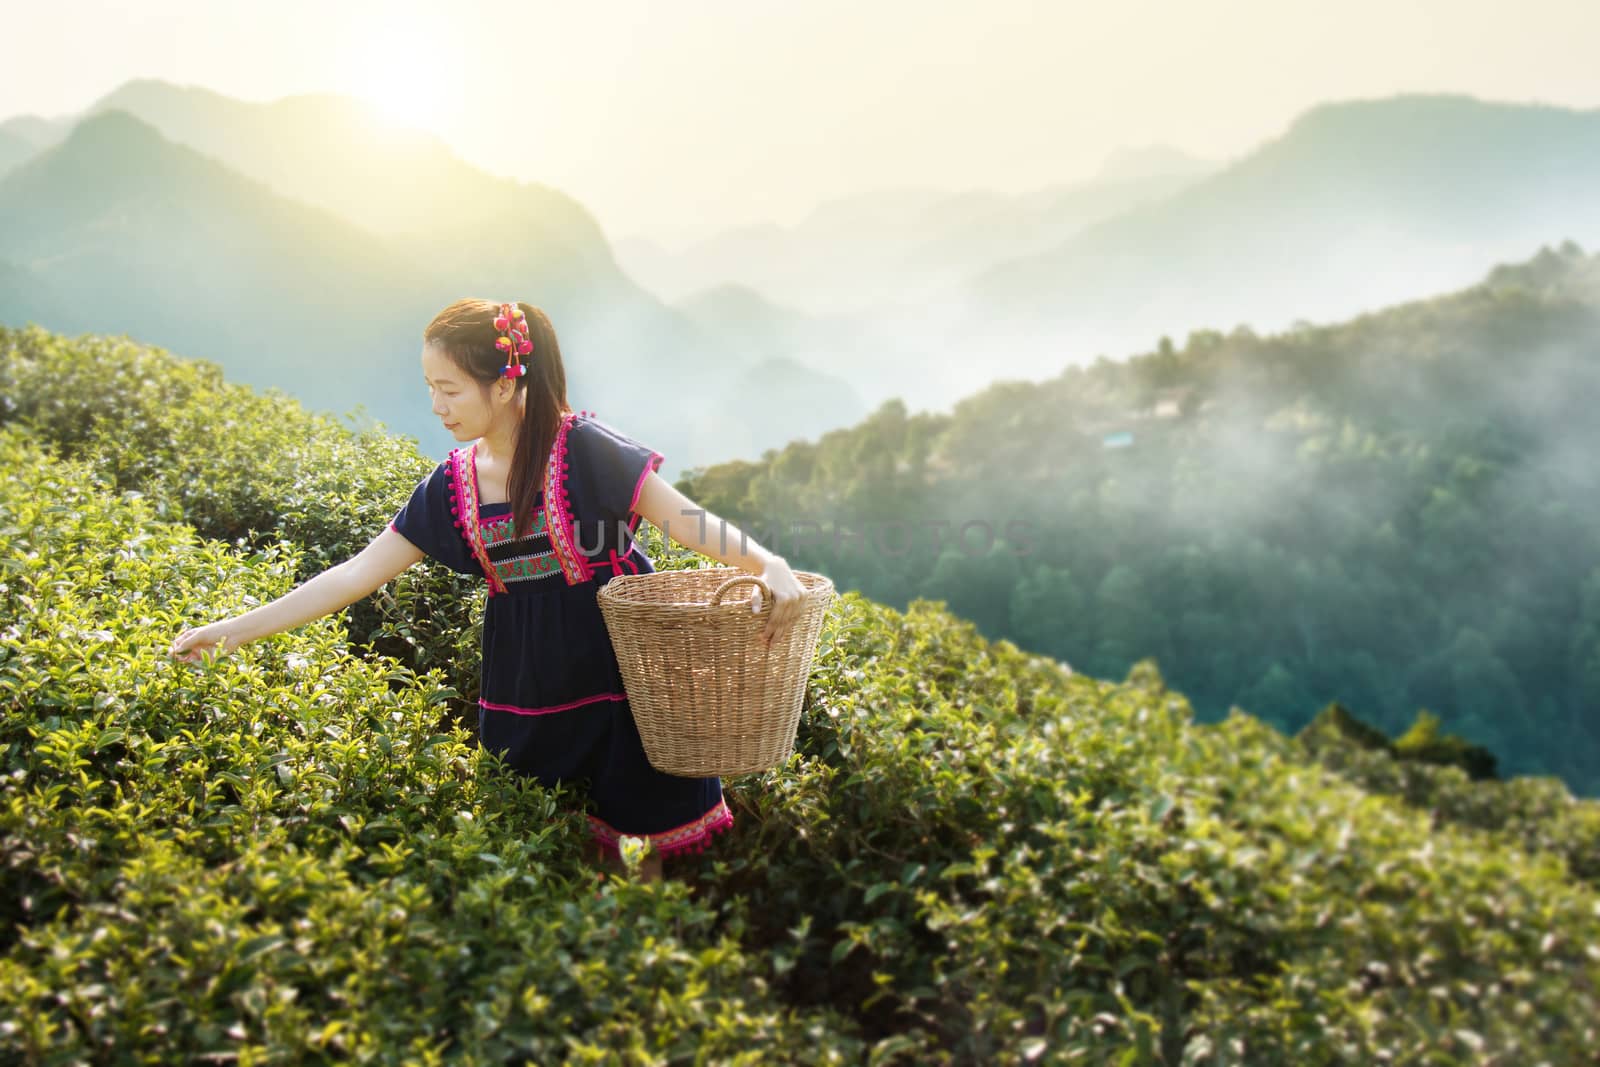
(551, 697)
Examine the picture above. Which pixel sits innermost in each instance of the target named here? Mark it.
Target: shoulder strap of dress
(560, 519)
(464, 509)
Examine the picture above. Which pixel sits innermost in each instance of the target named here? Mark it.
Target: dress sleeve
(426, 522)
(612, 469)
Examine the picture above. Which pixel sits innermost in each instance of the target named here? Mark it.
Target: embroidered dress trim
(518, 559)
(498, 528)
(692, 836)
(464, 507)
(516, 570)
(553, 707)
(558, 504)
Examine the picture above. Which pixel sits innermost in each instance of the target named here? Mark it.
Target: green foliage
(1539, 812)
(292, 852)
(1337, 723)
(1397, 512)
(253, 469)
(1424, 742)
(974, 855)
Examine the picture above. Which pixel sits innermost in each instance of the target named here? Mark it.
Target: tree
(977, 587)
(1047, 612)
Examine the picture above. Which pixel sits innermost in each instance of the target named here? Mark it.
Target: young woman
(542, 504)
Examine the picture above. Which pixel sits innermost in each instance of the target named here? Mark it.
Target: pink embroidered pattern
(464, 507)
(693, 836)
(558, 504)
(515, 710)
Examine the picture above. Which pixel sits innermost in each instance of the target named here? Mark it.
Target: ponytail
(543, 391)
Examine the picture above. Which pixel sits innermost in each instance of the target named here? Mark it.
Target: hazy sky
(680, 116)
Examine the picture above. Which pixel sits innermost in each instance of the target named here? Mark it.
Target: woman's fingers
(192, 646)
(772, 620)
(784, 609)
(183, 648)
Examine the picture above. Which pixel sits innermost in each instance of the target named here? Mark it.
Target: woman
(542, 504)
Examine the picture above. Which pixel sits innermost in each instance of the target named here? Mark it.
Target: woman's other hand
(786, 596)
(203, 643)
(661, 504)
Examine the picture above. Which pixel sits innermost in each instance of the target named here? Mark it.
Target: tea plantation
(298, 853)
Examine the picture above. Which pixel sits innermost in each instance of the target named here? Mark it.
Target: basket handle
(766, 594)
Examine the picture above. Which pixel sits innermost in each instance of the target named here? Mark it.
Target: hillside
(857, 254)
(1356, 204)
(180, 247)
(1397, 512)
(974, 854)
(304, 246)
(14, 148)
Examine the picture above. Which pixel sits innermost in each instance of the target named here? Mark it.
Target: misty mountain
(782, 348)
(745, 321)
(300, 200)
(329, 151)
(1356, 205)
(857, 254)
(883, 271)
(179, 249)
(37, 131)
(14, 148)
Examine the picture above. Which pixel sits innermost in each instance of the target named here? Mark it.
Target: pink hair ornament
(512, 325)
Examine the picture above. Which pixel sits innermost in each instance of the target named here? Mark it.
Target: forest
(1398, 513)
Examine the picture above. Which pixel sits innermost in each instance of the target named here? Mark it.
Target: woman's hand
(337, 587)
(203, 643)
(786, 596)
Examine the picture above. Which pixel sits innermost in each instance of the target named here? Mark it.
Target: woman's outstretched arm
(334, 589)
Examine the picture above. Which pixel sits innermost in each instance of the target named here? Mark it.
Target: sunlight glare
(404, 80)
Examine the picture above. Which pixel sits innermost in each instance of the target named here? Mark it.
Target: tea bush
(1539, 812)
(974, 855)
(246, 467)
(284, 855)
(1020, 862)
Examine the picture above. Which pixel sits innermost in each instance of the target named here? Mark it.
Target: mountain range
(1357, 204)
(304, 243)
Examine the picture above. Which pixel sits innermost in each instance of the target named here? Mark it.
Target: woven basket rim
(621, 588)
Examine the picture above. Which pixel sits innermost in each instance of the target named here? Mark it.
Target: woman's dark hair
(465, 332)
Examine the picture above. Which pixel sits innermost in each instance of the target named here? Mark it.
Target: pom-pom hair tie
(512, 325)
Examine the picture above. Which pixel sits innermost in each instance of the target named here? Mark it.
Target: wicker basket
(708, 697)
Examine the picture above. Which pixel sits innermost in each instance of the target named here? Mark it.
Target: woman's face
(466, 407)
